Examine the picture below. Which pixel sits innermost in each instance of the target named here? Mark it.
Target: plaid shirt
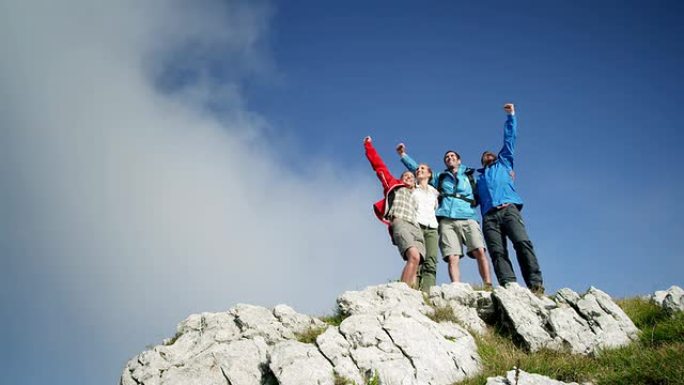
(403, 206)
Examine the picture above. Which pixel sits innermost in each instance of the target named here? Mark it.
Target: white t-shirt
(427, 203)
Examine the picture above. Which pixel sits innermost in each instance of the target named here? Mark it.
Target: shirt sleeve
(510, 136)
(412, 165)
(378, 165)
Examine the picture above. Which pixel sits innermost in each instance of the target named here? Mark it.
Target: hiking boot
(537, 290)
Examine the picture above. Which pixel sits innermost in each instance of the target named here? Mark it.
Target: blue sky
(169, 158)
(596, 85)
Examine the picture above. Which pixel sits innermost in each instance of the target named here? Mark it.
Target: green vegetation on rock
(443, 314)
(340, 380)
(309, 335)
(656, 358)
(335, 319)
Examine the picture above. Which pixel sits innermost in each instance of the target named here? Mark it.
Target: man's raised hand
(509, 108)
(401, 149)
(367, 139)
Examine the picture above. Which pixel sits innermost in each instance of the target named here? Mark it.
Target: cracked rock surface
(376, 299)
(470, 307)
(569, 322)
(523, 378)
(403, 346)
(253, 345)
(232, 347)
(672, 299)
(387, 333)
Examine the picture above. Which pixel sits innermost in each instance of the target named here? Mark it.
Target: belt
(498, 208)
(392, 219)
(425, 227)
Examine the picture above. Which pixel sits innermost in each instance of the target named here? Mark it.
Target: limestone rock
(337, 350)
(296, 363)
(249, 344)
(574, 332)
(277, 325)
(607, 320)
(579, 324)
(212, 348)
(404, 347)
(239, 362)
(469, 306)
(376, 299)
(526, 316)
(524, 378)
(672, 299)
(388, 334)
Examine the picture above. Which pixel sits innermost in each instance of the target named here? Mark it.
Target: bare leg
(408, 275)
(454, 271)
(482, 265)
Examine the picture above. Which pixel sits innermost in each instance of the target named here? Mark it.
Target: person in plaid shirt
(398, 209)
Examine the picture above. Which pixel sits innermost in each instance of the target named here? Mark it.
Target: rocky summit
(671, 300)
(389, 334)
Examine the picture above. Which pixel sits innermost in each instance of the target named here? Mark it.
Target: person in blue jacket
(501, 219)
(456, 213)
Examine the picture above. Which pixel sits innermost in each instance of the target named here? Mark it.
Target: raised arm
(510, 135)
(408, 162)
(377, 163)
(411, 164)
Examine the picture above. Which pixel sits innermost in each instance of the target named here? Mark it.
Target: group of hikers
(426, 211)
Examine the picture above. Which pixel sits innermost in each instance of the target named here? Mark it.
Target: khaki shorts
(455, 233)
(405, 235)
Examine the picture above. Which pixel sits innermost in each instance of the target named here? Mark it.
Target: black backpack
(473, 185)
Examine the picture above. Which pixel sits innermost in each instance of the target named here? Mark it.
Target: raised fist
(401, 149)
(367, 139)
(509, 108)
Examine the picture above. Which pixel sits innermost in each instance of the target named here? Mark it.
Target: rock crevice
(388, 333)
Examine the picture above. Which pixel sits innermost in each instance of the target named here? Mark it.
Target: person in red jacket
(398, 209)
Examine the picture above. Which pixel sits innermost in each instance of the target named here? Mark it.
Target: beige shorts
(455, 233)
(405, 235)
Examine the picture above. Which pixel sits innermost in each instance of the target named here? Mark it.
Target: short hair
(450, 151)
(486, 153)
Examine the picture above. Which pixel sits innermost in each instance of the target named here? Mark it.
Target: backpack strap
(469, 174)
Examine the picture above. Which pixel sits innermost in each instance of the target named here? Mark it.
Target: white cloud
(139, 205)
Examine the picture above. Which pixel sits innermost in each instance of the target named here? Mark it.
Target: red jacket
(388, 181)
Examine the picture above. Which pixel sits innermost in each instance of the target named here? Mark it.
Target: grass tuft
(309, 335)
(443, 314)
(172, 340)
(341, 380)
(335, 319)
(656, 358)
(373, 380)
(641, 311)
(656, 325)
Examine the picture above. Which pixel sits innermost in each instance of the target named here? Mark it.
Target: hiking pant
(427, 273)
(503, 224)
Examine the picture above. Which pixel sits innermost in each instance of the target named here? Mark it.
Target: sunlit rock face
(386, 334)
(672, 299)
(389, 333)
(567, 322)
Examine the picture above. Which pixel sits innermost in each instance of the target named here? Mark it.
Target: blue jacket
(495, 184)
(449, 206)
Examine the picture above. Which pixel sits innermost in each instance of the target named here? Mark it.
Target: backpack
(473, 185)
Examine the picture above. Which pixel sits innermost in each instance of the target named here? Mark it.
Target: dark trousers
(503, 224)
